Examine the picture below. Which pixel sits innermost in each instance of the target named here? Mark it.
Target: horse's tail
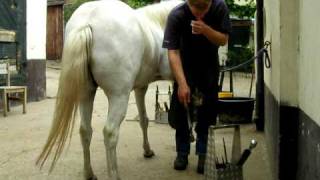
(73, 78)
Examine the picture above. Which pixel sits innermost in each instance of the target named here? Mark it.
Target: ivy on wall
(138, 3)
(241, 11)
(244, 11)
(70, 8)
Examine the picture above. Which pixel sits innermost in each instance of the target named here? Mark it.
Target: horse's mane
(158, 13)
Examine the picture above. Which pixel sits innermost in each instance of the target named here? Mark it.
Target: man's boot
(201, 161)
(181, 162)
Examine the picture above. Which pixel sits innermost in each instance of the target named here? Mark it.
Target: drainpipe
(259, 112)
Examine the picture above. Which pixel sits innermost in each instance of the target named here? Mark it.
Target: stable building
(292, 99)
(27, 21)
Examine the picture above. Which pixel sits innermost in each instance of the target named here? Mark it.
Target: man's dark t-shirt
(198, 55)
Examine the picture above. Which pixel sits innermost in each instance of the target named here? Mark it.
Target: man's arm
(176, 67)
(215, 37)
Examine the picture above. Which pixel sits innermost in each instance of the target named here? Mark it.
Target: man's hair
(199, 4)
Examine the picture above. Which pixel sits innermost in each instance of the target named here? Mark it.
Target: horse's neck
(152, 20)
(153, 14)
(153, 35)
(158, 13)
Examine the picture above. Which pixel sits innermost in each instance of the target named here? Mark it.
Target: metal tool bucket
(231, 171)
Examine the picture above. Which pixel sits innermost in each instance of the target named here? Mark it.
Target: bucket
(235, 110)
(225, 94)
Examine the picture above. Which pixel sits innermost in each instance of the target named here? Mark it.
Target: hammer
(246, 153)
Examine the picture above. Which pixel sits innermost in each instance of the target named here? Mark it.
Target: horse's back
(117, 47)
(95, 11)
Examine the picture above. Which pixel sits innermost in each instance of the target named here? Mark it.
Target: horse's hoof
(92, 178)
(148, 154)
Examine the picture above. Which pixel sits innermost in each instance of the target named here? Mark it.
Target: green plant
(138, 3)
(70, 8)
(239, 55)
(242, 11)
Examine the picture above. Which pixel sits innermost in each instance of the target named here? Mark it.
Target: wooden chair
(7, 90)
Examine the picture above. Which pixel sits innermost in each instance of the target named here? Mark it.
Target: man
(194, 32)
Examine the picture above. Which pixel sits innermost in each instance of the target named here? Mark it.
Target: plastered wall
(36, 29)
(309, 59)
(272, 34)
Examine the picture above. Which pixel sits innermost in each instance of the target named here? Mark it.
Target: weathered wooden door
(54, 31)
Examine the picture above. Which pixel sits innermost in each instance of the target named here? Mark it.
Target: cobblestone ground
(22, 137)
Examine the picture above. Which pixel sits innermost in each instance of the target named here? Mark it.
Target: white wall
(36, 29)
(272, 34)
(294, 78)
(282, 30)
(309, 60)
(289, 52)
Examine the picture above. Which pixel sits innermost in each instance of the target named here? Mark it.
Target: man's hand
(215, 37)
(198, 27)
(184, 94)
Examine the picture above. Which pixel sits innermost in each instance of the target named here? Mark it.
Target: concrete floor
(23, 135)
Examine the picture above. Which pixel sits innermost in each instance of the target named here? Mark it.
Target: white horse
(110, 45)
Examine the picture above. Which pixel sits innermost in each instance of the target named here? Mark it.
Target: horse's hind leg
(117, 110)
(86, 106)
(144, 121)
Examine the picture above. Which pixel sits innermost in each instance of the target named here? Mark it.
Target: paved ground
(22, 137)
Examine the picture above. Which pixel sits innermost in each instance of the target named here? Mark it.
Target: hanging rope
(261, 52)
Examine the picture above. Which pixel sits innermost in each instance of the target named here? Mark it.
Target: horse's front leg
(144, 121)
(86, 106)
(117, 110)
